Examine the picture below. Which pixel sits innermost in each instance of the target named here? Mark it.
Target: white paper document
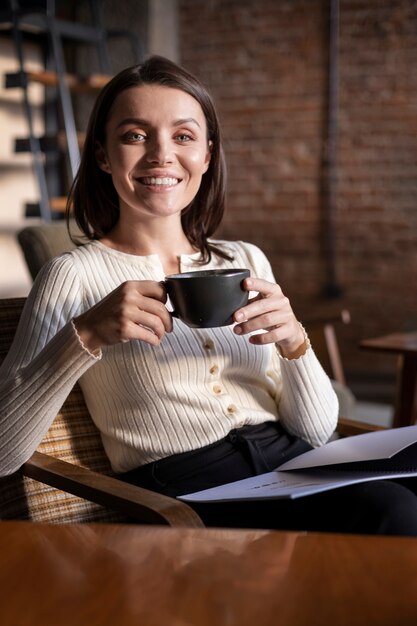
(373, 456)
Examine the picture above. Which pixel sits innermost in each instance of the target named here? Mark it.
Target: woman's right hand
(134, 310)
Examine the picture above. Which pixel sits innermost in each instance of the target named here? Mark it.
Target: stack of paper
(381, 454)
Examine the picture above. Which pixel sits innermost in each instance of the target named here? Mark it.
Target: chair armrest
(322, 332)
(340, 316)
(142, 504)
(347, 427)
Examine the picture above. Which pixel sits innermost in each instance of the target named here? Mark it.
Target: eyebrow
(141, 122)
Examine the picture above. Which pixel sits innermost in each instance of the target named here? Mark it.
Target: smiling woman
(156, 150)
(158, 107)
(179, 408)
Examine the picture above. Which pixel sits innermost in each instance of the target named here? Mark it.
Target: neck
(167, 240)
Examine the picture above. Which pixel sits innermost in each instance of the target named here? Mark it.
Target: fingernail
(238, 330)
(239, 316)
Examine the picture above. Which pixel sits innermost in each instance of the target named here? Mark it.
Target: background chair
(69, 478)
(41, 242)
(322, 333)
(323, 336)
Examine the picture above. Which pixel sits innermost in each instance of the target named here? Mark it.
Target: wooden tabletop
(405, 346)
(115, 575)
(395, 342)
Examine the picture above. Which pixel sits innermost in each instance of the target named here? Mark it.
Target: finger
(273, 334)
(136, 296)
(152, 322)
(268, 321)
(151, 289)
(144, 333)
(138, 325)
(118, 317)
(268, 308)
(261, 339)
(156, 309)
(263, 287)
(269, 298)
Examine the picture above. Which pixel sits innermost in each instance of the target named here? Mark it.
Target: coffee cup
(207, 298)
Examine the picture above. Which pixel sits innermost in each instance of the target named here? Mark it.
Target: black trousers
(377, 507)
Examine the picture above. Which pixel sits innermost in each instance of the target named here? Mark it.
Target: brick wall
(266, 63)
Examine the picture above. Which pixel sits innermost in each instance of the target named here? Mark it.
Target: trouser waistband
(260, 448)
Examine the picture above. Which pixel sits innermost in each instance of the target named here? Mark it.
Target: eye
(184, 137)
(134, 136)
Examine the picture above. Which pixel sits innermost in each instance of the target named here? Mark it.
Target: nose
(159, 151)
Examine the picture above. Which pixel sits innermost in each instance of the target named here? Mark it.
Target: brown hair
(93, 197)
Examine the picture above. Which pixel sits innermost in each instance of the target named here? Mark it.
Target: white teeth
(160, 181)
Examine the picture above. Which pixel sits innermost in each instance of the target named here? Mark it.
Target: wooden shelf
(47, 78)
(57, 205)
(48, 143)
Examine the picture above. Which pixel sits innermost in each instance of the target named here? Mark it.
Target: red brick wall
(266, 63)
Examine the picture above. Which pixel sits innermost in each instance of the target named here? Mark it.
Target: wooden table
(114, 575)
(405, 345)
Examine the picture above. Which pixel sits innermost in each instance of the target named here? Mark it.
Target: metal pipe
(332, 288)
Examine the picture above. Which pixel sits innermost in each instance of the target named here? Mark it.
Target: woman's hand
(135, 310)
(270, 311)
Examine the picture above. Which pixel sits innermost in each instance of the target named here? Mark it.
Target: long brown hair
(93, 200)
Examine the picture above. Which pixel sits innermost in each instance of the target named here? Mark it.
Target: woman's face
(156, 150)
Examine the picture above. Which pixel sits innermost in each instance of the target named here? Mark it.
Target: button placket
(214, 369)
(208, 344)
(217, 388)
(214, 375)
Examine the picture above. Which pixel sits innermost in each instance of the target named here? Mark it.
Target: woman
(179, 409)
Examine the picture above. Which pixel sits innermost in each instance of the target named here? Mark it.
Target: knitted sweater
(149, 402)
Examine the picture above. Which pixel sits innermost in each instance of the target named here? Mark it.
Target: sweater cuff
(306, 342)
(97, 354)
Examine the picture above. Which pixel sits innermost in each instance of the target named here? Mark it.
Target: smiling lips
(159, 181)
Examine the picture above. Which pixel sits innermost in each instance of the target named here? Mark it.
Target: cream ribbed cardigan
(149, 402)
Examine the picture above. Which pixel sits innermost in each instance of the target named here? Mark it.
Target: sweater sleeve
(307, 403)
(44, 362)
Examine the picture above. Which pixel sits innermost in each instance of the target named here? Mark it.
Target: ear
(101, 158)
(208, 155)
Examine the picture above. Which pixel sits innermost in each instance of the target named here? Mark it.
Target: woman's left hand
(271, 312)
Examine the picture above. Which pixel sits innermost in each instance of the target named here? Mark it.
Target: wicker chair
(68, 479)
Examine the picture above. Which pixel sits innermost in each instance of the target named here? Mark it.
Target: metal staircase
(56, 155)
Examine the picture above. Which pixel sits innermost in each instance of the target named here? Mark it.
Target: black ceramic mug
(207, 298)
